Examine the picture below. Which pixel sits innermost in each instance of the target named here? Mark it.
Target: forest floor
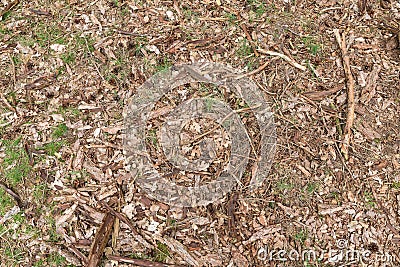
(67, 69)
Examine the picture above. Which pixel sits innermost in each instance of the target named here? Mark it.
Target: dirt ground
(68, 68)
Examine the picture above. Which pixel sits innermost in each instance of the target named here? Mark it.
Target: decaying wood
(259, 69)
(286, 58)
(39, 12)
(100, 240)
(197, 138)
(138, 262)
(79, 254)
(41, 82)
(344, 147)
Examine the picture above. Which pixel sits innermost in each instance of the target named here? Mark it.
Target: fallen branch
(344, 147)
(288, 59)
(138, 262)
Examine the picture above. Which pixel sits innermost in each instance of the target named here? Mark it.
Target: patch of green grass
(53, 147)
(396, 185)
(284, 185)
(258, 7)
(163, 65)
(40, 192)
(15, 254)
(6, 15)
(161, 253)
(231, 18)
(16, 162)
(47, 34)
(39, 263)
(301, 236)
(313, 46)
(85, 42)
(245, 49)
(311, 188)
(69, 57)
(138, 255)
(59, 131)
(369, 199)
(6, 203)
(55, 259)
(16, 59)
(51, 224)
(152, 137)
(69, 112)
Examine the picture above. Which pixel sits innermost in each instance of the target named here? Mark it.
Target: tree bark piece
(344, 147)
(100, 240)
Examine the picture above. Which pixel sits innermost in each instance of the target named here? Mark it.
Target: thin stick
(2, 97)
(344, 147)
(288, 59)
(13, 194)
(248, 37)
(138, 262)
(13, 69)
(8, 8)
(261, 68)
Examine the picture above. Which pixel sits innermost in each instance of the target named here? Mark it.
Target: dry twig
(344, 147)
(8, 7)
(137, 262)
(14, 195)
(8, 105)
